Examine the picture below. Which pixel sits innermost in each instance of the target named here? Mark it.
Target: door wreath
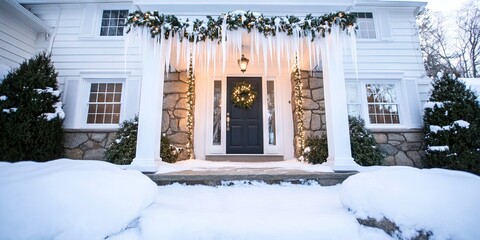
(243, 95)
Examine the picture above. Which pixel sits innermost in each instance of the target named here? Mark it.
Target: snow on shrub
(70, 199)
(442, 202)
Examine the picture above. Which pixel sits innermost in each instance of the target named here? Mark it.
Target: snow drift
(68, 199)
(441, 202)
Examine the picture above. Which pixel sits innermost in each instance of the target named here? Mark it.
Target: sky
(445, 6)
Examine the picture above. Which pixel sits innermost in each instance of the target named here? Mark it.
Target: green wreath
(243, 95)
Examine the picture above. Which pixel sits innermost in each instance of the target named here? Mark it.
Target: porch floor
(215, 173)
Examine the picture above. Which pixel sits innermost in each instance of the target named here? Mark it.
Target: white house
(108, 76)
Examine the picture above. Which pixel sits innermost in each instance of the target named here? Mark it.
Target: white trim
(89, 77)
(28, 17)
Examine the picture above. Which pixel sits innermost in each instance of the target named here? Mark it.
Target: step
(216, 178)
(244, 157)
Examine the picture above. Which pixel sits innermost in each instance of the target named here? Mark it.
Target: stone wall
(313, 104)
(87, 145)
(174, 116)
(401, 147)
(92, 144)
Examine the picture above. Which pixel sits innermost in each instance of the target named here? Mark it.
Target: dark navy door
(244, 126)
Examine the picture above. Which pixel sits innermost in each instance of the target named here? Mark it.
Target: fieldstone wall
(174, 116)
(87, 145)
(403, 147)
(313, 104)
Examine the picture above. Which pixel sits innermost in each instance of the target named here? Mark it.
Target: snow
(58, 112)
(433, 104)
(441, 201)
(461, 123)
(80, 199)
(3, 98)
(10, 110)
(203, 165)
(68, 199)
(438, 148)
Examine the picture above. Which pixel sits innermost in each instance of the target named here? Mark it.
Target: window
(113, 22)
(382, 103)
(217, 113)
(366, 25)
(104, 103)
(354, 106)
(271, 112)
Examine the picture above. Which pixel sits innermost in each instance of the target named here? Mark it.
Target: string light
(190, 108)
(300, 134)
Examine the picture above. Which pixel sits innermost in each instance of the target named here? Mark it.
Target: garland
(190, 106)
(243, 95)
(300, 135)
(212, 28)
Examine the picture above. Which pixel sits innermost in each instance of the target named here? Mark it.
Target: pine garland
(190, 109)
(299, 114)
(200, 30)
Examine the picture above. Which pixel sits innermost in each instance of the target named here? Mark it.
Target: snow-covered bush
(31, 114)
(316, 149)
(123, 148)
(363, 144)
(364, 148)
(452, 126)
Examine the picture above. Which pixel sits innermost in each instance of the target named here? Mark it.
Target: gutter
(36, 23)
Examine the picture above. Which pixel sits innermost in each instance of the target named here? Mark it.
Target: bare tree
(437, 54)
(468, 42)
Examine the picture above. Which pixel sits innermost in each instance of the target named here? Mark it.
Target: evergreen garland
(200, 30)
(31, 114)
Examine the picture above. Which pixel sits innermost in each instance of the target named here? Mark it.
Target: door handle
(228, 121)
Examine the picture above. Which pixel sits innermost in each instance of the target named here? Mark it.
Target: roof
(26, 16)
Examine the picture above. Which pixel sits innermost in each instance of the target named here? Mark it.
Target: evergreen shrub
(31, 114)
(452, 126)
(122, 149)
(364, 148)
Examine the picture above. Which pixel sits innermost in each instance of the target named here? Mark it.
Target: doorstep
(268, 176)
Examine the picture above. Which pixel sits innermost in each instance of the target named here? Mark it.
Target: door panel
(245, 134)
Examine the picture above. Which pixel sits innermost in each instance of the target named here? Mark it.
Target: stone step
(214, 178)
(244, 158)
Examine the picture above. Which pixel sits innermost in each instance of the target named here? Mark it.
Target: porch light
(243, 63)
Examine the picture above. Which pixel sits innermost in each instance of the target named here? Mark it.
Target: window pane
(271, 113)
(123, 13)
(106, 14)
(100, 109)
(382, 103)
(217, 113)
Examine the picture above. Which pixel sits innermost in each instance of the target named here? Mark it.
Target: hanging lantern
(243, 63)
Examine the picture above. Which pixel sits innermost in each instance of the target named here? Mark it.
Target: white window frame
(98, 21)
(386, 78)
(85, 101)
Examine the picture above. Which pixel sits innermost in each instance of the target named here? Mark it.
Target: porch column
(147, 157)
(339, 152)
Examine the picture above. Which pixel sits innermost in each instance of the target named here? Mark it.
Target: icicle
(252, 39)
(168, 52)
(265, 56)
(353, 49)
(224, 39)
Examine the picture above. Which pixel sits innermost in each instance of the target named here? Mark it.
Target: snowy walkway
(246, 211)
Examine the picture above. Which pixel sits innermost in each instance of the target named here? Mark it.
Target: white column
(339, 152)
(147, 156)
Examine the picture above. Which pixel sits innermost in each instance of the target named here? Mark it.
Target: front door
(244, 125)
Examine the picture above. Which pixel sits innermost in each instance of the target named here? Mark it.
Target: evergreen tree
(31, 114)
(452, 126)
(363, 146)
(122, 150)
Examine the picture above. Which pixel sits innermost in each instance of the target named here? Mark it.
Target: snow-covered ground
(66, 199)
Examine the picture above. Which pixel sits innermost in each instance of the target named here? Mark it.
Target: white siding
(80, 54)
(396, 50)
(17, 39)
(78, 49)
